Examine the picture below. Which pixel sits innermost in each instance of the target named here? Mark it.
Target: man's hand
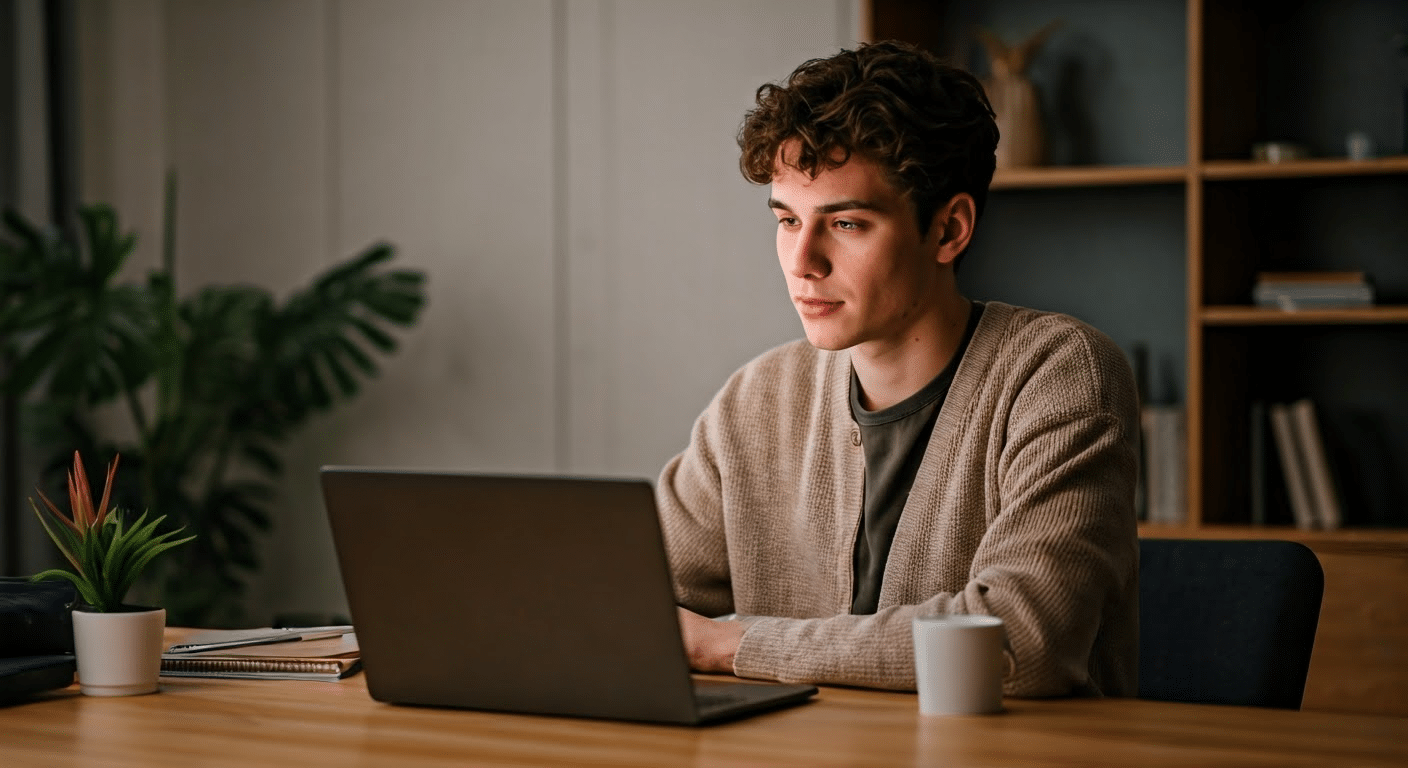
(710, 644)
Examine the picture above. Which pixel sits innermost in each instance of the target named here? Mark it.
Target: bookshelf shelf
(1234, 315)
(1057, 176)
(1386, 541)
(1214, 170)
(1088, 176)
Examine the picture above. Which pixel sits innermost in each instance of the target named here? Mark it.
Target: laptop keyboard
(720, 700)
(720, 697)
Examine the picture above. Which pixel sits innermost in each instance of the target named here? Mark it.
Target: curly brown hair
(927, 124)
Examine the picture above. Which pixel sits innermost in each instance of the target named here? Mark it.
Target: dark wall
(9, 109)
(9, 196)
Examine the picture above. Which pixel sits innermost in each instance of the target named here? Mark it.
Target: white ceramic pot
(118, 654)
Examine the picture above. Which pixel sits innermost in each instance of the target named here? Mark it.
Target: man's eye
(847, 226)
(787, 221)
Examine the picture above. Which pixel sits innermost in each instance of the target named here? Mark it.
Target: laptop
(546, 595)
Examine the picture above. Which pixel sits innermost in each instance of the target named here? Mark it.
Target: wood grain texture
(1364, 541)
(1240, 314)
(271, 723)
(1087, 176)
(1360, 661)
(1316, 166)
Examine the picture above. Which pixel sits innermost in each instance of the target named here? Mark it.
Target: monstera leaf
(65, 320)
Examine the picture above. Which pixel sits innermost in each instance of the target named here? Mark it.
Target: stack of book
(1310, 484)
(1292, 291)
(303, 653)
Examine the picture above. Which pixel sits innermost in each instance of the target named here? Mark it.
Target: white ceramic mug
(958, 664)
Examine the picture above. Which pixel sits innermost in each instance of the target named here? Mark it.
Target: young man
(919, 452)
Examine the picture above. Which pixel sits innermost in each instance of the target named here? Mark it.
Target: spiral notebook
(329, 658)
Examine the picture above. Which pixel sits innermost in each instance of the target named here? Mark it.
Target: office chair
(1227, 622)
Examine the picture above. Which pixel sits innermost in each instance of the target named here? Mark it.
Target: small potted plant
(117, 646)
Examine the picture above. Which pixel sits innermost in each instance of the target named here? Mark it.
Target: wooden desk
(243, 722)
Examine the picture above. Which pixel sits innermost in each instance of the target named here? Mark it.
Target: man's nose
(807, 257)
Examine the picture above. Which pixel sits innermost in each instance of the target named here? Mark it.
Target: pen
(209, 641)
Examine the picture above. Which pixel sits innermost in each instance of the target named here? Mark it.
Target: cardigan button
(855, 437)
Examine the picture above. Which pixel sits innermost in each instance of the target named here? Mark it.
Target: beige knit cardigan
(1022, 508)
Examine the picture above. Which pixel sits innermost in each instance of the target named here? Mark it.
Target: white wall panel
(444, 137)
(673, 268)
(122, 65)
(440, 143)
(246, 126)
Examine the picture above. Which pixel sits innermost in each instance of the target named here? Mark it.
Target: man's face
(857, 269)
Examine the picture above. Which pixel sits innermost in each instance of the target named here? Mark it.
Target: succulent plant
(107, 554)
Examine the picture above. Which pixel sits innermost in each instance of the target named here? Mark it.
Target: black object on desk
(36, 637)
(22, 677)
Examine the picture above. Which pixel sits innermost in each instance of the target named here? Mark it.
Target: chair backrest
(1227, 622)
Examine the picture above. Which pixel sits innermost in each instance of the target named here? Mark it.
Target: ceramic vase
(1014, 100)
(118, 653)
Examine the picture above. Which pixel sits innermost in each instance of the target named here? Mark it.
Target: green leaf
(354, 353)
(242, 502)
(373, 255)
(85, 590)
(28, 234)
(378, 338)
(104, 579)
(120, 551)
(33, 363)
(346, 383)
(90, 550)
(240, 547)
(262, 457)
(63, 537)
(409, 280)
(146, 556)
(107, 249)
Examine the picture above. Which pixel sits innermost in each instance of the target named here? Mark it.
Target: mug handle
(1008, 655)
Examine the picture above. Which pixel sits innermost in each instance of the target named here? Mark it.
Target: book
(1314, 276)
(1140, 362)
(1293, 291)
(1165, 464)
(326, 658)
(1323, 495)
(1292, 465)
(1256, 440)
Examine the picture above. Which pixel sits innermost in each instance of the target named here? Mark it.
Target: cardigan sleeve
(691, 519)
(1055, 554)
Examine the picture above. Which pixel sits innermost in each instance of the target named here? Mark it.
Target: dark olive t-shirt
(894, 440)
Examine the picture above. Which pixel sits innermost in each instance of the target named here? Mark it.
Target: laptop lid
(536, 594)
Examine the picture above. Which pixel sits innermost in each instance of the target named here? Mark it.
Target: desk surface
(244, 722)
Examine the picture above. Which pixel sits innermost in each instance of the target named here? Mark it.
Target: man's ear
(952, 227)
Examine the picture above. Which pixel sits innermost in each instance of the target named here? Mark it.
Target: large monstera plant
(211, 382)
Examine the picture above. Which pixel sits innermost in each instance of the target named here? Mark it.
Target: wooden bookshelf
(1252, 71)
